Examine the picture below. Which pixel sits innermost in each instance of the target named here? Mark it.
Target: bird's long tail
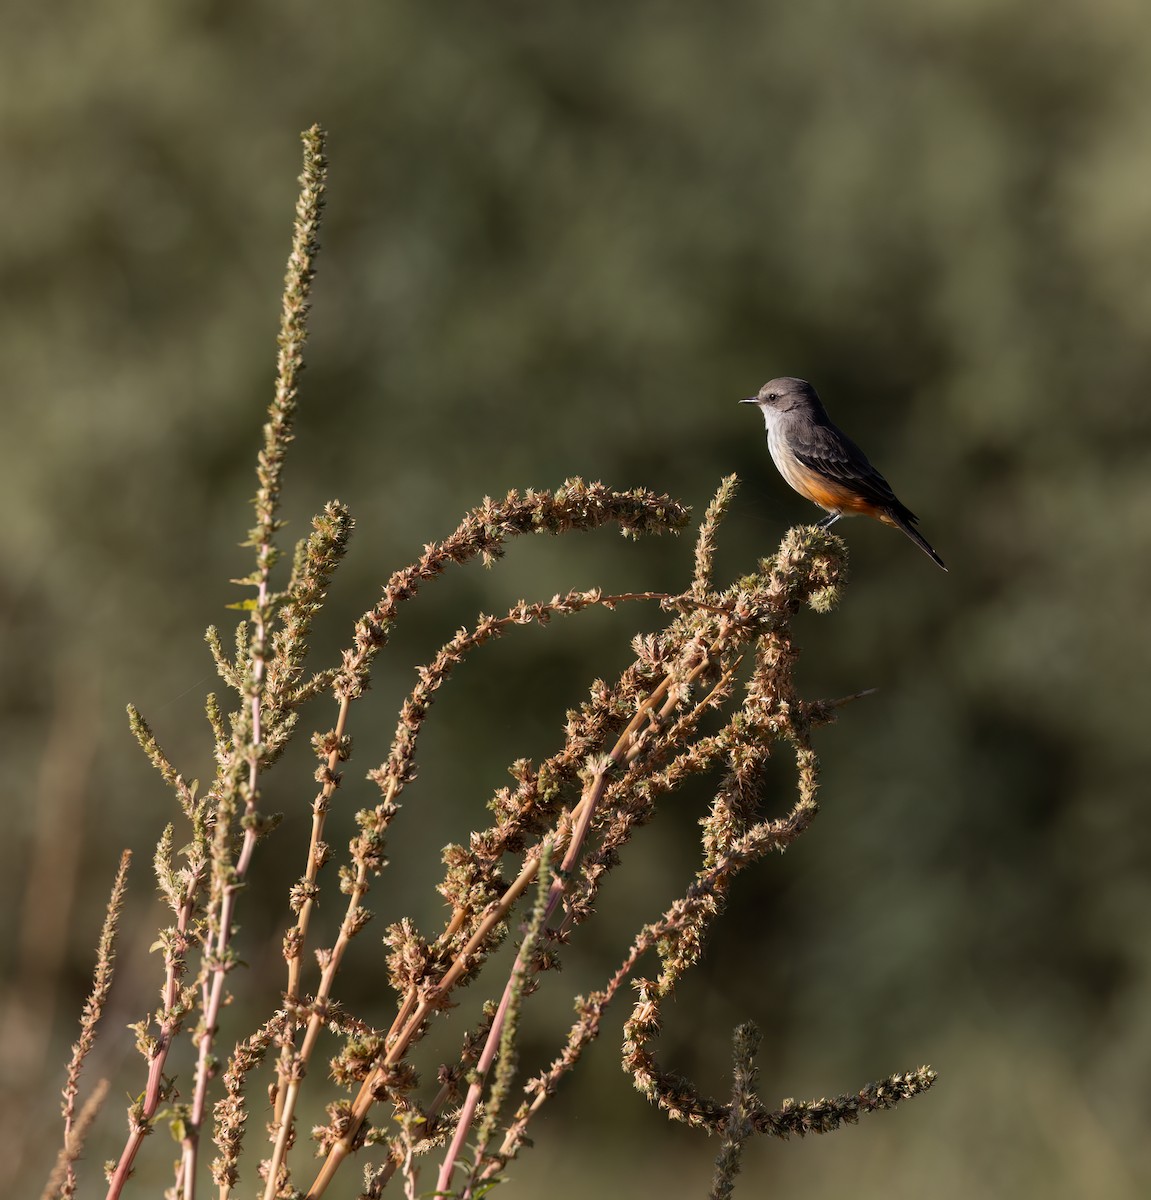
(904, 522)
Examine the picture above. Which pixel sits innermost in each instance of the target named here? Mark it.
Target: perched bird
(824, 464)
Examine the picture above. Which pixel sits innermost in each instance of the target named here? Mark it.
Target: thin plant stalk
(93, 1010)
(155, 1090)
(277, 434)
(299, 935)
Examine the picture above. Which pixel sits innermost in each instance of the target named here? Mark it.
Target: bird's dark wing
(833, 454)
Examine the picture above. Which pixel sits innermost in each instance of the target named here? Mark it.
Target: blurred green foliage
(565, 239)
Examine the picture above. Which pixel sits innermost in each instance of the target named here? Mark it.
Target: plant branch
(62, 1180)
(93, 1010)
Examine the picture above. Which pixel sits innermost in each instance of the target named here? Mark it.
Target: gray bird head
(785, 394)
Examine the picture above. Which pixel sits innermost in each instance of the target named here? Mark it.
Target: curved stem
(628, 745)
(409, 1017)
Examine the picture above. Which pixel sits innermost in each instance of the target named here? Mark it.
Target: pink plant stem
(491, 1047)
(626, 749)
(191, 1142)
(154, 1088)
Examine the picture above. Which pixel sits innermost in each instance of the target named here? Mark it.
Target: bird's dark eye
(773, 395)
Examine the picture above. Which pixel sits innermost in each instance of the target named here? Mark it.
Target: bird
(823, 464)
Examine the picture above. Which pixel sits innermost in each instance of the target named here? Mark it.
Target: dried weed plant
(564, 821)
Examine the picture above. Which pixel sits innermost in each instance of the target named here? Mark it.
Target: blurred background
(565, 240)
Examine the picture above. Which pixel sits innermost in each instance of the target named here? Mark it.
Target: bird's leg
(829, 520)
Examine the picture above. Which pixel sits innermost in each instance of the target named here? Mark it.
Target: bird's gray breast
(781, 454)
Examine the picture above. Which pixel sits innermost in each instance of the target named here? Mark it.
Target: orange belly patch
(834, 497)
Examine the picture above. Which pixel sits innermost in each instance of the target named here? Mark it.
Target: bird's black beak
(750, 400)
